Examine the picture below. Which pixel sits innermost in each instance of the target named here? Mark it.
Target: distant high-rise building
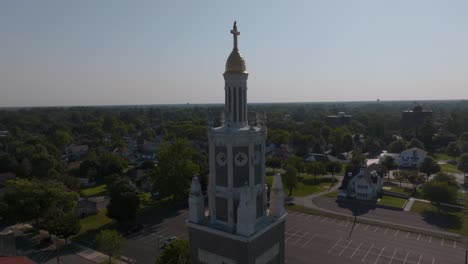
(413, 118)
(340, 119)
(237, 228)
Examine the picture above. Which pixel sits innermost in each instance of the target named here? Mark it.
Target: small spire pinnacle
(235, 33)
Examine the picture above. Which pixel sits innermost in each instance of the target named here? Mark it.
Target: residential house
(363, 184)
(411, 158)
(315, 157)
(76, 152)
(92, 205)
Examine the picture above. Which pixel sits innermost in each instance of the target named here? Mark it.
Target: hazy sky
(152, 52)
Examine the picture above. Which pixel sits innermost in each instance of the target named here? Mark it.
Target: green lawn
(94, 191)
(452, 220)
(443, 156)
(94, 222)
(307, 186)
(449, 168)
(392, 201)
(397, 189)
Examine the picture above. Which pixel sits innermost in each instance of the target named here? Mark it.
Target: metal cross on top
(235, 33)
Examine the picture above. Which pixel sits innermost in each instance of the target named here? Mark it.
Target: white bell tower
(238, 229)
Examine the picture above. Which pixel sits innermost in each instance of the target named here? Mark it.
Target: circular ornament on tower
(240, 159)
(221, 159)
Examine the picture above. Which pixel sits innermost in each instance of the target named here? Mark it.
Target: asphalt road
(318, 239)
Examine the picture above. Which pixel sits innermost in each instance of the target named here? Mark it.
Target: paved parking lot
(319, 239)
(327, 240)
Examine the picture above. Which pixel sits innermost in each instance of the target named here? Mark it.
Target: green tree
(175, 169)
(397, 146)
(290, 179)
(273, 162)
(446, 178)
(61, 139)
(325, 132)
(347, 142)
(178, 251)
(429, 166)
(452, 149)
(278, 136)
(296, 162)
(333, 167)
(426, 132)
(315, 168)
(399, 177)
(8, 163)
(415, 143)
(439, 192)
(111, 163)
(389, 164)
(62, 224)
(124, 202)
(463, 163)
(109, 242)
(30, 200)
(415, 179)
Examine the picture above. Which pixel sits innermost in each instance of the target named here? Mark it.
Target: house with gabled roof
(411, 158)
(364, 183)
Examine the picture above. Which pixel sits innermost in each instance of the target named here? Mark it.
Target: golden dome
(235, 63)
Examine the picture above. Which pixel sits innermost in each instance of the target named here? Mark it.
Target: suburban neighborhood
(231, 180)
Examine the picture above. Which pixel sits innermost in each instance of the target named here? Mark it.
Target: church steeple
(235, 78)
(235, 63)
(237, 227)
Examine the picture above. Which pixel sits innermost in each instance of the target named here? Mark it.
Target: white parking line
(419, 260)
(356, 250)
(396, 233)
(442, 243)
(318, 216)
(309, 216)
(335, 245)
(377, 228)
(454, 244)
(406, 257)
(418, 237)
(386, 231)
(367, 252)
(430, 239)
(392, 256)
(433, 260)
(379, 255)
(291, 236)
(407, 234)
(324, 219)
(345, 248)
(300, 238)
(357, 225)
(309, 240)
(366, 227)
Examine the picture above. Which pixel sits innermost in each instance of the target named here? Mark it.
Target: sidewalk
(308, 202)
(94, 256)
